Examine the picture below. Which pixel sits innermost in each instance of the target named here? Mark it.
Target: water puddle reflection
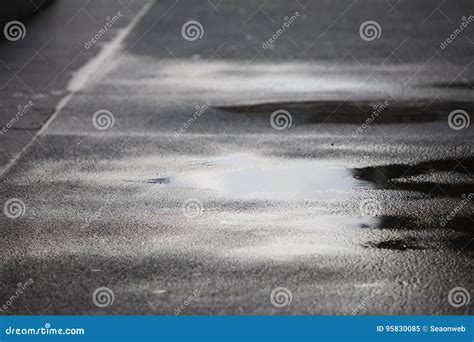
(301, 179)
(267, 178)
(292, 226)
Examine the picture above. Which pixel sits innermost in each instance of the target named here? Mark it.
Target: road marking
(81, 78)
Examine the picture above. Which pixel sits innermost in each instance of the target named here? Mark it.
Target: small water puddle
(248, 175)
(271, 178)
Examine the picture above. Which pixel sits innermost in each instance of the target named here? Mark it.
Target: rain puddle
(253, 176)
(270, 178)
(310, 112)
(443, 177)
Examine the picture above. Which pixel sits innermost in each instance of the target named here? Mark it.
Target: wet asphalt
(191, 187)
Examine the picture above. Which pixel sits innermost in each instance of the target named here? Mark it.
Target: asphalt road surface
(150, 177)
